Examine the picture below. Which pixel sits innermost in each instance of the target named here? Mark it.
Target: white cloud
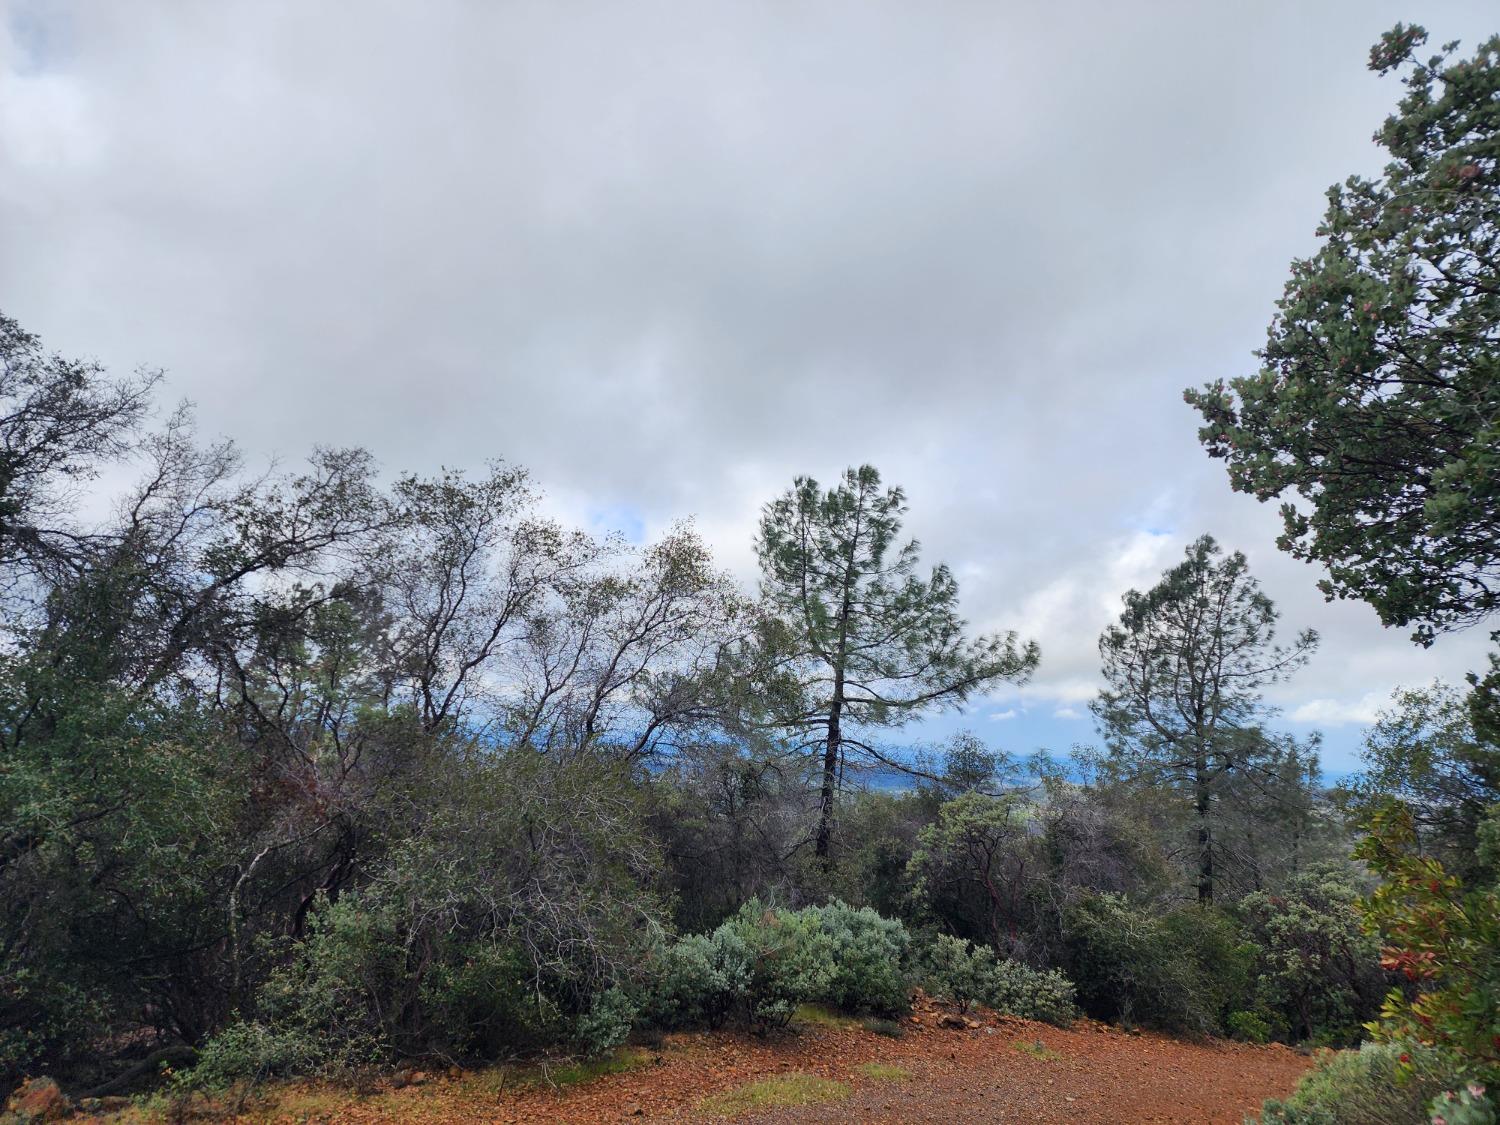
(1338, 712)
(1001, 716)
(670, 256)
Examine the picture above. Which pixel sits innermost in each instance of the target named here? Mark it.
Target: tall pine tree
(863, 641)
(1184, 670)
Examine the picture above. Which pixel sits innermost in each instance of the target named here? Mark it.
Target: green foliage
(1182, 708)
(952, 969)
(790, 956)
(1377, 399)
(1468, 1105)
(766, 962)
(1317, 971)
(1444, 938)
(346, 986)
(606, 1025)
(698, 980)
(1424, 750)
(1251, 1027)
(1182, 971)
(868, 954)
(1033, 994)
(857, 637)
(728, 817)
(958, 971)
(973, 861)
(43, 1014)
(1379, 1084)
(480, 998)
(252, 1052)
(963, 763)
(117, 822)
(878, 833)
(507, 924)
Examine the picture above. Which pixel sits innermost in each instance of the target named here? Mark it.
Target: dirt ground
(1001, 1070)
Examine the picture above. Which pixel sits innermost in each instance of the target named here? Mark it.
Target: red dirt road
(1089, 1073)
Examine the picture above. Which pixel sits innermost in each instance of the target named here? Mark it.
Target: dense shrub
(1318, 972)
(877, 835)
(698, 980)
(505, 925)
(1033, 994)
(357, 993)
(1442, 934)
(790, 957)
(480, 999)
(765, 961)
(1252, 1027)
(728, 820)
(606, 1024)
(952, 969)
(868, 954)
(1183, 971)
(1368, 1086)
(975, 867)
(1470, 1104)
(252, 1051)
(106, 847)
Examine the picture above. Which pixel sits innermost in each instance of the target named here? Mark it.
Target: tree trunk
(1205, 834)
(830, 771)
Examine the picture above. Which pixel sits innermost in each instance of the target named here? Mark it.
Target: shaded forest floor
(990, 1069)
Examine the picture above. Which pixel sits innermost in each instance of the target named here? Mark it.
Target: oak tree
(1377, 404)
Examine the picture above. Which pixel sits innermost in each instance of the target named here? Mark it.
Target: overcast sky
(669, 256)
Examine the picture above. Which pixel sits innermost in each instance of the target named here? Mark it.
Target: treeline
(307, 770)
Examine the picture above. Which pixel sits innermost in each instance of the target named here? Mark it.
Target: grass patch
(1038, 1050)
(560, 1076)
(576, 1073)
(300, 1103)
(884, 1072)
(819, 1015)
(769, 1093)
(877, 1026)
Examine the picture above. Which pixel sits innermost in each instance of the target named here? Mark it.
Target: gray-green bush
(868, 954)
(1368, 1086)
(698, 979)
(958, 971)
(765, 961)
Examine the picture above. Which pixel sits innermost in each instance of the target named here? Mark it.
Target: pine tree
(862, 640)
(1184, 670)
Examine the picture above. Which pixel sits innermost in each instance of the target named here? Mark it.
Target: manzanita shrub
(1444, 938)
(1377, 1084)
(1468, 1105)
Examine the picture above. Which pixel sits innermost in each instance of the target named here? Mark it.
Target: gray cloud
(670, 255)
